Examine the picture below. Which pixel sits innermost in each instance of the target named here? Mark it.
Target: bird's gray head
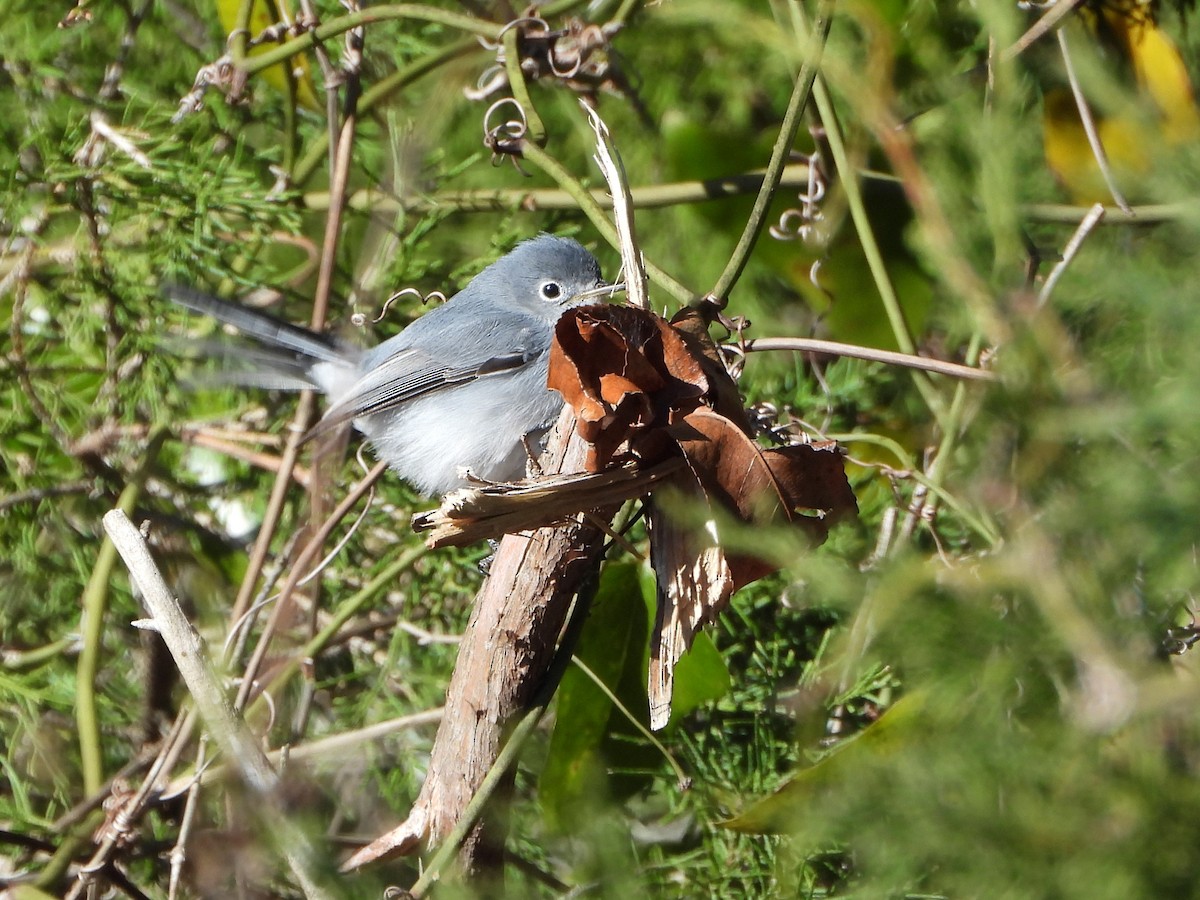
(544, 276)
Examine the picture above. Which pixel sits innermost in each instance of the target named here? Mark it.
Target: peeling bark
(506, 650)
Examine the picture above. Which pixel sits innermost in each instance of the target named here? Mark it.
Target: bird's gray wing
(411, 372)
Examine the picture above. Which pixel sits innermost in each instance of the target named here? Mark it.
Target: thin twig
(652, 196)
(583, 198)
(300, 569)
(535, 128)
(1152, 214)
(239, 39)
(681, 777)
(275, 503)
(1090, 221)
(229, 732)
(609, 161)
(348, 609)
(424, 636)
(1089, 126)
(187, 822)
(37, 495)
(268, 462)
(952, 428)
(329, 73)
(1057, 12)
(334, 745)
(339, 178)
(337, 744)
(120, 823)
(718, 297)
(890, 357)
(237, 634)
(334, 27)
(95, 606)
(866, 236)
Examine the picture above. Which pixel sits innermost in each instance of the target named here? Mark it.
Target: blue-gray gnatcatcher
(462, 387)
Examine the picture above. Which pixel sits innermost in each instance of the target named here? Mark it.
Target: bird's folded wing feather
(407, 374)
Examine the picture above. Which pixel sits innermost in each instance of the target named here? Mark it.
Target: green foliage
(593, 735)
(612, 642)
(1005, 629)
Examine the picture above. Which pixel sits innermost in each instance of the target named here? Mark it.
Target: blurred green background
(981, 689)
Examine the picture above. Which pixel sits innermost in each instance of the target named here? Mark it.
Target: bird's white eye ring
(550, 290)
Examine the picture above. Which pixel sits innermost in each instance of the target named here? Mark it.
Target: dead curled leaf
(695, 581)
(637, 382)
(804, 484)
(643, 388)
(727, 471)
(623, 371)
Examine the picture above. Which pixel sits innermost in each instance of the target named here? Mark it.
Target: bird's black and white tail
(283, 356)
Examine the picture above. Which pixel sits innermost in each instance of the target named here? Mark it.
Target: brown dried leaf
(812, 479)
(622, 371)
(634, 379)
(695, 582)
(805, 485)
(723, 395)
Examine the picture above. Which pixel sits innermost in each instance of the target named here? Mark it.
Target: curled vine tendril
(577, 55)
(359, 320)
(804, 223)
(504, 138)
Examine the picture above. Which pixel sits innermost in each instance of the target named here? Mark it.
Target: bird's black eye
(551, 290)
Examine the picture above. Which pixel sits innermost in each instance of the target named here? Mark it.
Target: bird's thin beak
(603, 290)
